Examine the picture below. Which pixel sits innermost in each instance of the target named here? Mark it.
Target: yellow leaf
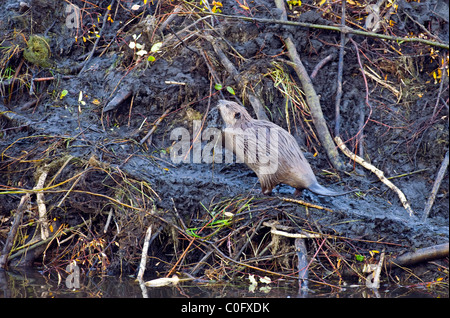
(96, 102)
(50, 228)
(109, 8)
(373, 252)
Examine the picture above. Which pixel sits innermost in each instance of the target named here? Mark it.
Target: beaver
(269, 150)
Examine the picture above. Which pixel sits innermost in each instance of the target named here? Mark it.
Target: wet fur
(293, 168)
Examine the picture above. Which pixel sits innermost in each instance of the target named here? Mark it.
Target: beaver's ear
(237, 115)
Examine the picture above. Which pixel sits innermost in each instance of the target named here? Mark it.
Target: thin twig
(367, 102)
(321, 64)
(337, 107)
(304, 203)
(164, 115)
(441, 86)
(346, 29)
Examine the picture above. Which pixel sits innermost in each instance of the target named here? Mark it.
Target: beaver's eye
(237, 115)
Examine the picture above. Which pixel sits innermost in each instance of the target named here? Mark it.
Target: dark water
(37, 284)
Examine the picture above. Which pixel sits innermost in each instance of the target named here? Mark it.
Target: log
(421, 255)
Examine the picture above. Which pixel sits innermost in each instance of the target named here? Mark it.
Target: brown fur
(292, 168)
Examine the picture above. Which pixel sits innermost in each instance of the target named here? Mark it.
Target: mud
(406, 135)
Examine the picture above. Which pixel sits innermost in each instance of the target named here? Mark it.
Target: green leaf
(359, 258)
(192, 231)
(230, 90)
(63, 93)
(151, 58)
(218, 87)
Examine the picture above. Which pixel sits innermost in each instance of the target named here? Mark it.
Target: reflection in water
(21, 283)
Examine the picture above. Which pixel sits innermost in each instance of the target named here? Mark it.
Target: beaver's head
(232, 113)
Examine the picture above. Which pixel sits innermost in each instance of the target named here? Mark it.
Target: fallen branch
(42, 221)
(311, 98)
(421, 255)
(22, 121)
(376, 171)
(254, 101)
(12, 232)
(300, 249)
(436, 185)
(373, 280)
(143, 263)
(302, 253)
(29, 247)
